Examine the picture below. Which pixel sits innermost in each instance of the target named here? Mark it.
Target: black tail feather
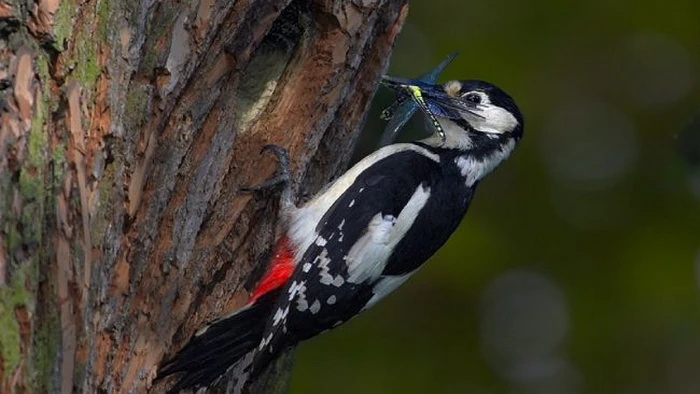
(210, 353)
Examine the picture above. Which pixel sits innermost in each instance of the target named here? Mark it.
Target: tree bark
(126, 131)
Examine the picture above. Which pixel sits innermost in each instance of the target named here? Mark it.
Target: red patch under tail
(281, 268)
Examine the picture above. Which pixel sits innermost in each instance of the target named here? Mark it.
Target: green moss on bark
(104, 15)
(18, 292)
(87, 68)
(31, 179)
(162, 24)
(25, 233)
(63, 23)
(136, 108)
(46, 344)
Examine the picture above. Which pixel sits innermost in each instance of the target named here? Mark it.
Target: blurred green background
(577, 268)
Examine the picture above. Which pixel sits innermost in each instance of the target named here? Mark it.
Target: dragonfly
(421, 93)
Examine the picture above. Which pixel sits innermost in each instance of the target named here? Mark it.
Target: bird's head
(474, 116)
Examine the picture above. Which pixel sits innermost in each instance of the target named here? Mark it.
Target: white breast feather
(473, 169)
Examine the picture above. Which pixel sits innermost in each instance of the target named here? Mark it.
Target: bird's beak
(430, 97)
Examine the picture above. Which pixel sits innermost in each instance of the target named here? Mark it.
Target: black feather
(442, 213)
(209, 354)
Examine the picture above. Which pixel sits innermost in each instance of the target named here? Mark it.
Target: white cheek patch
(494, 120)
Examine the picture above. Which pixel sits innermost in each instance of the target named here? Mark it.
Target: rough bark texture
(126, 130)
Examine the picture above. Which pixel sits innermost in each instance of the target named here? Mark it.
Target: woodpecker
(364, 234)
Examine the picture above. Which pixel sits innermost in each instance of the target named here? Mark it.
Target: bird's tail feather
(219, 346)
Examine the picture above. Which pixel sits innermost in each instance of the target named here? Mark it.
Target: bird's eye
(473, 97)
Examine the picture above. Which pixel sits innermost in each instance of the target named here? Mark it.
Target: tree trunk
(127, 129)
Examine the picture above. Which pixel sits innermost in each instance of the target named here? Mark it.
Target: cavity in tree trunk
(126, 131)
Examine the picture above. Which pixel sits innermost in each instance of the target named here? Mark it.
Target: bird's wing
(359, 230)
(333, 279)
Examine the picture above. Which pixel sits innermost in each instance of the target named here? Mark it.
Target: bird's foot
(282, 179)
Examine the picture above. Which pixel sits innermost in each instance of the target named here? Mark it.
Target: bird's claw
(276, 149)
(282, 178)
